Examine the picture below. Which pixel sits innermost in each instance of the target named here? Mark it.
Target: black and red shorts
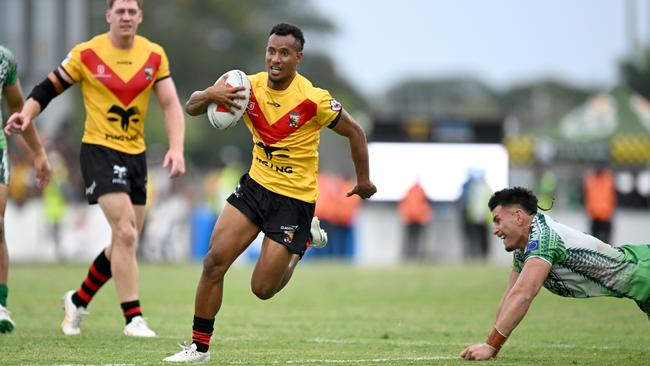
(284, 219)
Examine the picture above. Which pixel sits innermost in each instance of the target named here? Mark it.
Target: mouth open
(274, 70)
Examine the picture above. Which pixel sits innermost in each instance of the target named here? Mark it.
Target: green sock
(4, 290)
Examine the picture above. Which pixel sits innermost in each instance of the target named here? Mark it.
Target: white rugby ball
(219, 116)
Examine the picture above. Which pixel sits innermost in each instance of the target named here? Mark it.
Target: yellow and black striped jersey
(116, 85)
(285, 125)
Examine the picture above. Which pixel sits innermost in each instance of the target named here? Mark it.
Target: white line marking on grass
(370, 360)
(397, 342)
(565, 345)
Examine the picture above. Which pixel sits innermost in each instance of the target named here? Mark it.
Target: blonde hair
(109, 3)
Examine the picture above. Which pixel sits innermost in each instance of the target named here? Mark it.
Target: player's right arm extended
(56, 83)
(516, 303)
(512, 310)
(511, 282)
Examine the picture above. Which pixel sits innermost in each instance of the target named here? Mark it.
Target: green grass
(328, 314)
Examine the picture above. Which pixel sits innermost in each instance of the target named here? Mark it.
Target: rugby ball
(219, 116)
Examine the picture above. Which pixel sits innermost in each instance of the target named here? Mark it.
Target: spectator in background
(55, 203)
(345, 213)
(464, 218)
(545, 186)
(477, 215)
(416, 212)
(337, 214)
(600, 200)
(326, 211)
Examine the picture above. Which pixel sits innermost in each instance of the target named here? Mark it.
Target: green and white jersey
(8, 76)
(583, 266)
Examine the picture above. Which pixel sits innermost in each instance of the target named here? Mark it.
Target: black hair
(521, 196)
(284, 29)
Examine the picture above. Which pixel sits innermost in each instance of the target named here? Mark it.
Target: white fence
(84, 232)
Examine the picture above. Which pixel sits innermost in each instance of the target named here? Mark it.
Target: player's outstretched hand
(43, 170)
(17, 123)
(363, 190)
(174, 159)
(225, 96)
(478, 352)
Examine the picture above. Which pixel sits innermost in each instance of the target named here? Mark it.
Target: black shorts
(284, 219)
(107, 171)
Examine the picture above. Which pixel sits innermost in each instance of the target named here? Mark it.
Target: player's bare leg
(232, 234)
(76, 302)
(126, 221)
(121, 217)
(273, 269)
(272, 259)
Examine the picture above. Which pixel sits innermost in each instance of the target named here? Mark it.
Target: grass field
(328, 314)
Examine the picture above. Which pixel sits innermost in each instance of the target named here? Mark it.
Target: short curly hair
(284, 29)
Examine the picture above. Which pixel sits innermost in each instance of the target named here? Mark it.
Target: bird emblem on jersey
(269, 150)
(294, 119)
(125, 116)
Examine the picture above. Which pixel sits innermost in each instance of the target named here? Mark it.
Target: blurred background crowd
(584, 150)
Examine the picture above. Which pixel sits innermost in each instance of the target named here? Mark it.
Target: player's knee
(213, 267)
(126, 234)
(262, 290)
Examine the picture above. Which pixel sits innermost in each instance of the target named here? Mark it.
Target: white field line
(370, 360)
(396, 342)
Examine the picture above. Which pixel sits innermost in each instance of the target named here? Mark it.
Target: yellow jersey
(285, 125)
(116, 85)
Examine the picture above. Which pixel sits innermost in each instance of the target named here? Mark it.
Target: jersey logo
(125, 116)
(101, 71)
(91, 189)
(271, 133)
(125, 91)
(294, 119)
(289, 232)
(532, 245)
(119, 172)
(148, 73)
(335, 105)
(269, 150)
